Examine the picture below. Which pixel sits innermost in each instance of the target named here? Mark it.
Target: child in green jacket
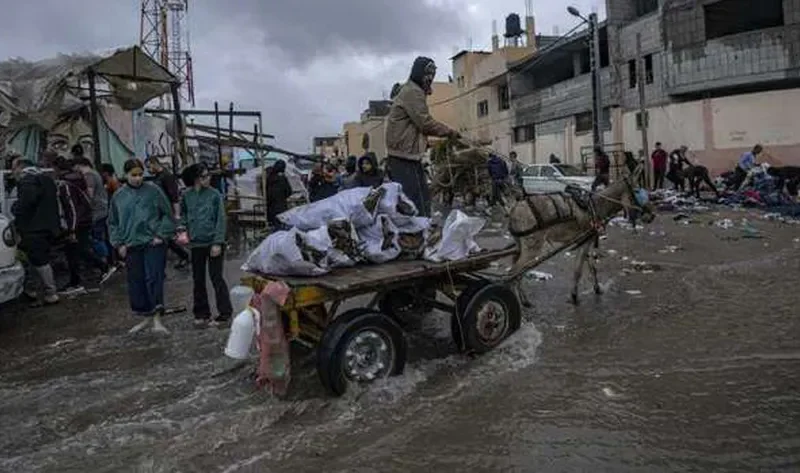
(203, 218)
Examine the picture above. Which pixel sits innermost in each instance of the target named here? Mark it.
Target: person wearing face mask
(408, 123)
(140, 223)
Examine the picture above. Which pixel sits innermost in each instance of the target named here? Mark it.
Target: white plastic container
(243, 329)
(8, 251)
(240, 298)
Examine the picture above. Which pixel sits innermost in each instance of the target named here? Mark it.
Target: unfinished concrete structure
(719, 76)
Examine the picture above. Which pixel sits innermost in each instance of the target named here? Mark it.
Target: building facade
(719, 77)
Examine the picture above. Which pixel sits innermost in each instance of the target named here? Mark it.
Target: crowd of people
(100, 224)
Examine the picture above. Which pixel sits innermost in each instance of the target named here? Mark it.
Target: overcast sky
(308, 65)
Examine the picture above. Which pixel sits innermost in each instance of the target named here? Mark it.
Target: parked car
(12, 274)
(542, 178)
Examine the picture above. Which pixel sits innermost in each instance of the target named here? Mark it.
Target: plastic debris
(539, 275)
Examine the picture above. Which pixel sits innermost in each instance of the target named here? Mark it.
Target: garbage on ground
(670, 249)
(641, 267)
(539, 275)
(361, 225)
(633, 292)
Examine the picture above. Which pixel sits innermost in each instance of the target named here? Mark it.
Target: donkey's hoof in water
(574, 299)
(598, 290)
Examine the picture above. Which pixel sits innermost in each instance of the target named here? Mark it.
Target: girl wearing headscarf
(140, 223)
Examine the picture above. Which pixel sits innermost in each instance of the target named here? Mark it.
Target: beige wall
(375, 128)
(718, 130)
(442, 103)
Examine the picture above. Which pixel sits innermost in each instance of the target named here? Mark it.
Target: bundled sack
(413, 235)
(380, 240)
(346, 248)
(291, 253)
(359, 205)
(395, 203)
(457, 238)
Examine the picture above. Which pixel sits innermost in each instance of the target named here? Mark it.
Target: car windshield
(569, 171)
(303, 164)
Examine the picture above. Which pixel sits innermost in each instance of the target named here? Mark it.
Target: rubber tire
(337, 336)
(468, 301)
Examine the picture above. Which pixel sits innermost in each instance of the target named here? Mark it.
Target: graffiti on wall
(71, 129)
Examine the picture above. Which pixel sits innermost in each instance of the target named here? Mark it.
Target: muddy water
(694, 366)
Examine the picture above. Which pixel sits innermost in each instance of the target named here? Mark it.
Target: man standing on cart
(408, 123)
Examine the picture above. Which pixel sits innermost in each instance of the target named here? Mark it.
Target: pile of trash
(357, 226)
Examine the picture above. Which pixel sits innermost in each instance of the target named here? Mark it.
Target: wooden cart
(367, 343)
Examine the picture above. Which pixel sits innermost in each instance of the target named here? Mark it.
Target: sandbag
(412, 237)
(457, 238)
(396, 204)
(380, 240)
(290, 253)
(359, 205)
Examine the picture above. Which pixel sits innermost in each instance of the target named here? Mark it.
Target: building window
(460, 82)
(729, 17)
(583, 121)
(525, 133)
(483, 108)
(648, 69)
(645, 7)
(632, 74)
(502, 97)
(639, 120)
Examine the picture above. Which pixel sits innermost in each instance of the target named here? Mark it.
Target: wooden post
(180, 139)
(94, 110)
(640, 76)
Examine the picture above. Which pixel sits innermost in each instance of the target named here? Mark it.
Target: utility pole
(644, 119)
(597, 97)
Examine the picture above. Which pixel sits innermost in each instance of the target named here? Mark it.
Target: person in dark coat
(37, 220)
(322, 183)
(368, 174)
(76, 217)
(278, 192)
(498, 171)
(168, 183)
(602, 169)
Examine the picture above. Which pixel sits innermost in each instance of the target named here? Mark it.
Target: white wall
(770, 118)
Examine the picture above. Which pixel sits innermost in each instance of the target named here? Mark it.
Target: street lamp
(597, 105)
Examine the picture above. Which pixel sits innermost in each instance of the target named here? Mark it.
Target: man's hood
(423, 72)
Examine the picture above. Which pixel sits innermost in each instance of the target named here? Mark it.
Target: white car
(12, 274)
(543, 178)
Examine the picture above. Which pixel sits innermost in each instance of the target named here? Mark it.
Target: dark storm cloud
(307, 29)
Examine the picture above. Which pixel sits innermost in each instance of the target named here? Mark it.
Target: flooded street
(690, 362)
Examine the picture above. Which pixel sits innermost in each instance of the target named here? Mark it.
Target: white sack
(279, 255)
(458, 238)
(380, 240)
(347, 204)
(346, 256)
(396, 204)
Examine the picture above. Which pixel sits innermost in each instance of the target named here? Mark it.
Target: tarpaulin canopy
(38, 92)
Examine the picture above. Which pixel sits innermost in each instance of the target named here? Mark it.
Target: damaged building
(719, 76)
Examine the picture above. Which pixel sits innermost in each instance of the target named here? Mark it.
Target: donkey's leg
(592, 261)
(583, 253)
(522, 295)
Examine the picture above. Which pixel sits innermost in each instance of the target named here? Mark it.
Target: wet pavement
(689, 362)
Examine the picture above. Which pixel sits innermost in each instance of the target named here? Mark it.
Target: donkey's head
(635, 198)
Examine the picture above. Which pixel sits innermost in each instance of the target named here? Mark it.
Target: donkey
(560, 219)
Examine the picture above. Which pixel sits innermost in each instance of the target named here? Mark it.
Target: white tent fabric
(37, 92)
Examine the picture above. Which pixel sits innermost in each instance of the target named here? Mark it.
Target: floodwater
(688, 363)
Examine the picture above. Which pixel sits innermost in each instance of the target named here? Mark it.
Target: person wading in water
(408, 123)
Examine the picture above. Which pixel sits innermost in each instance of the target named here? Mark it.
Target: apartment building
(328, 146)
(719, 76)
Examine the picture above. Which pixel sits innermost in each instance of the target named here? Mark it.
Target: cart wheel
(487, 314)
(360, 346)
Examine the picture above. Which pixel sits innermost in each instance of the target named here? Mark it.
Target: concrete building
(328, 146)
(720, 76)
(481, 104)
